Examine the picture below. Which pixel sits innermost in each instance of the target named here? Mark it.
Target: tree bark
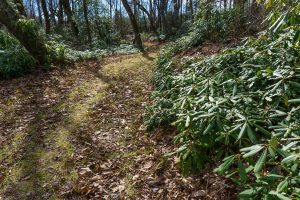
(31, 40)
(86, 18)
(52, 12)
(163, 11)
(32, 10)
(137, 37)
(191, 7)
(110, 9)
(151, 20)
(60, 14)
(39, 11)
(46, 16)
(67, 8)
(176, 12)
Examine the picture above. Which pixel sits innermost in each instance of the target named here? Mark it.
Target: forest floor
(77, 133)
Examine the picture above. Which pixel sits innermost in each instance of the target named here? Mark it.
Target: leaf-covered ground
(76, 133)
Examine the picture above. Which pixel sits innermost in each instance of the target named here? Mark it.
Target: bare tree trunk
(110, 9)
(167, 30)
(96, 11)
(176, 13)
(46, 16)
(67, 8)
(31, 40)
(158, 2)
(86, 18)
(162, 15)
(32, 10)
(191, 7)
(151, 21)
(52, 12)
(181, 11)
(145, 23)
(39, 11)
(60, 14)
(137, 37)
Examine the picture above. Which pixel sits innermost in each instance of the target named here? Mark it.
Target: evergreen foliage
(241, 107)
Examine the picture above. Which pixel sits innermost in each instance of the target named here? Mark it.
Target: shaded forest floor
(76, 133)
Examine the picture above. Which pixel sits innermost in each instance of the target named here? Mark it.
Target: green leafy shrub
(14, 59)
(28, 26)
(210, 24)
(241, 107)
(60, 51)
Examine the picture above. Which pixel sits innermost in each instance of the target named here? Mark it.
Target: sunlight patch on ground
(8, 154)
(38, 164)
(83, 98)
(134, 71)
(135, 68)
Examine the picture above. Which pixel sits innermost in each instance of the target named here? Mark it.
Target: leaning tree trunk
(137, 37)
(20, 8)
(31, 40)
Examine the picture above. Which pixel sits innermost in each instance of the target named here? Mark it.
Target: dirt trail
(76, 133)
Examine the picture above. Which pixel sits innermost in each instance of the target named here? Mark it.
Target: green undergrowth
(210, 24)
(239, 109)
(62, 51)
(16, 61)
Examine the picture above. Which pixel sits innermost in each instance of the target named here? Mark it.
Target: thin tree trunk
(137, 37)
(162, 15)
(181, 11)
(31, 40)
(52, 12)
(60, 14)
(39, 11)
(151, 21)
(191, 7)
(70, 16)
(110, 9)
(86, 18)
(46, 16)
(176, 13)
(31, 4)
(96, 10)
(145, 22)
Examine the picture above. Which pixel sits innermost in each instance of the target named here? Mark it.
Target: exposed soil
(77, 133)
